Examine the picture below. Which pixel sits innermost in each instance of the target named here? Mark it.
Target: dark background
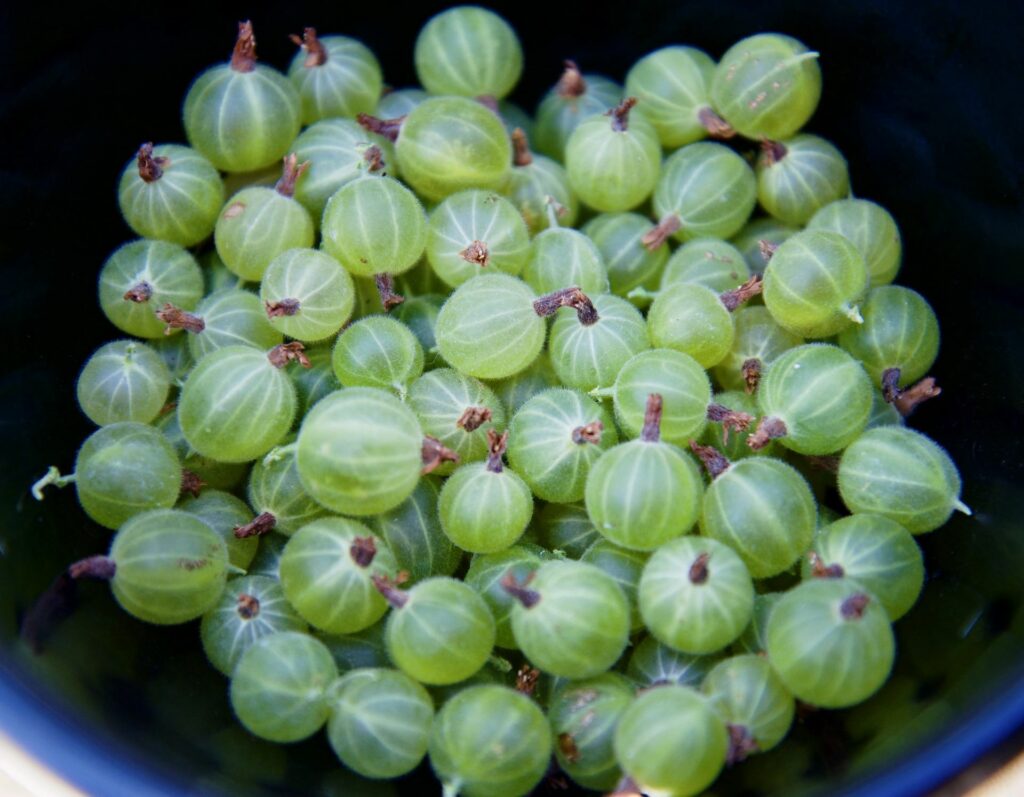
(924, 99)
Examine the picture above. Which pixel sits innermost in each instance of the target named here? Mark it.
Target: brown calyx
(698, 573)
(98, 567)
(293, 170)
(473, 418)
(243, 59)
(151, 168)
(363, 550)
(176, 318)
(477, 254)
(567, 747)
(571, 84)
(285, 307)
(748, 290)
(521, 155)
(140, 293)
(768, 429)
(388, 587)
(714, 461)
(590, 433)
(434, 454)
(389, 128)
(664, 230)
(853, 608)
(820, 570)
(386, 289)
(284, 353)
(767, 249)
(527, 678)
(741, 744)
(518, 590)
(568, 297)
(651, 431)
(620, 114)
(731, 420)
(248, 606)
(496, 445)
(191, 483)
(751, 371)
(374, 157)
(316, 53)
(906, 400)
(262, 524)
(716, 126)
(772, 152)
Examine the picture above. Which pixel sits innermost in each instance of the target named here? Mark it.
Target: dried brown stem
(243, 58)
(568, 297)
(374, 157)
(571, 84)
(316, 53)
(262, 524)
(151, 168)
(741, 744)
(140, 293)
(853, 608)
(731, 420)
(590, 433)
(716, 126)
(567, 747)
(496, 445)
(820, 570)
(518, 590)
(767, 249)
(664, 230)
(473, 418)
(477, 254)
(772, 152)
(191, 483)
(176, 318)
(748, 290)
(363, 550)
(285, 353)
(751, 371)
(386, 289)
(527, 678)
(712, 459)
(891, 384)
(248, 606)
(620, 114)
(920, 392)
(285, 307)
(434, 454)
(768, 429)
(389, 589)
(389, 128)
(698, 573)
(521, 155)
(290, 175)
(651, 432)
(102, 568)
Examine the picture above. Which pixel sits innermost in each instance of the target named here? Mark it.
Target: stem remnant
(151, 168)
(853, 608)
(712, 459)
(389, 589)
(316, 53)
(767, 249)
(620, 114)
(386, 288)
(176, 318)
(496, 445)
(262, 524)
(568, 748)
(243, 59)
(477, 254)
(521, 155)
(52, 476)
(571, 84)
(248, 606)
(473, 418)
(748, 290)
(768, 429)
(731, 420)
(716, 126)
(284, 353)
(751, 371)
(651, 432)
(820, 570)
(698, 573)
(906, 400)
(363, 550)
(293, 170)
(434, 454)
(285, 307)
(772, 152)
(139, 293)
(590, 433)
(664, 230)
(389, 128)
(191, 483)
(518, 590)
(527, 678)
(568, 297)
(101, 568)
(741, 744)
(374, 157)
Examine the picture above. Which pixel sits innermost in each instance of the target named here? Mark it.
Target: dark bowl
(922, 99)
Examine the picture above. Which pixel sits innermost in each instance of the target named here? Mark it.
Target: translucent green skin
(613, 170)
(181, 206)
(347, 83)
(710, 262)
(359, 451)
(123, 381)
(490, 741)
(469, 52)
(236, 406)
(758, 337)
(233, 317)
(323, 289)
(542, 449)
(745, 691)
(558, 115)
(822, 658)
(670, 741)
(413, 532)
(374, 225)
(821, 394)
(419, 313)
(586, 356)
(767, 86)
(565, 528)
(519, 388)
(809, 176)
(902, 475)
(731, 444)
(222, 512)
(482, 511)
(380, 722)
(587, 712)
(700, 617)
(579, 626)
(488, 327)
(399, 102)
(671, 86)
(217, 475)
(449, 144)
(171, 272)
(814, 282)
(485, 574)
(439, 398)
(443, 634)
(280, 685)
(275, 487)
(560, 257)
(709, 188)
(171, 567)
(748, 240)
(900, 330)
(628, 262)
(655, 664)
(626, 491)
(336, 152)
(680, 381)
(475, 216)
(378, 352)
(763, 509)
(691, 319)
(227, 630)
(124, 469)
(624, 566)
(754, 638)
(877, 553)
(869, 227)
(529, 187)
(366, 648)
(323, 581)
(242, 121)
